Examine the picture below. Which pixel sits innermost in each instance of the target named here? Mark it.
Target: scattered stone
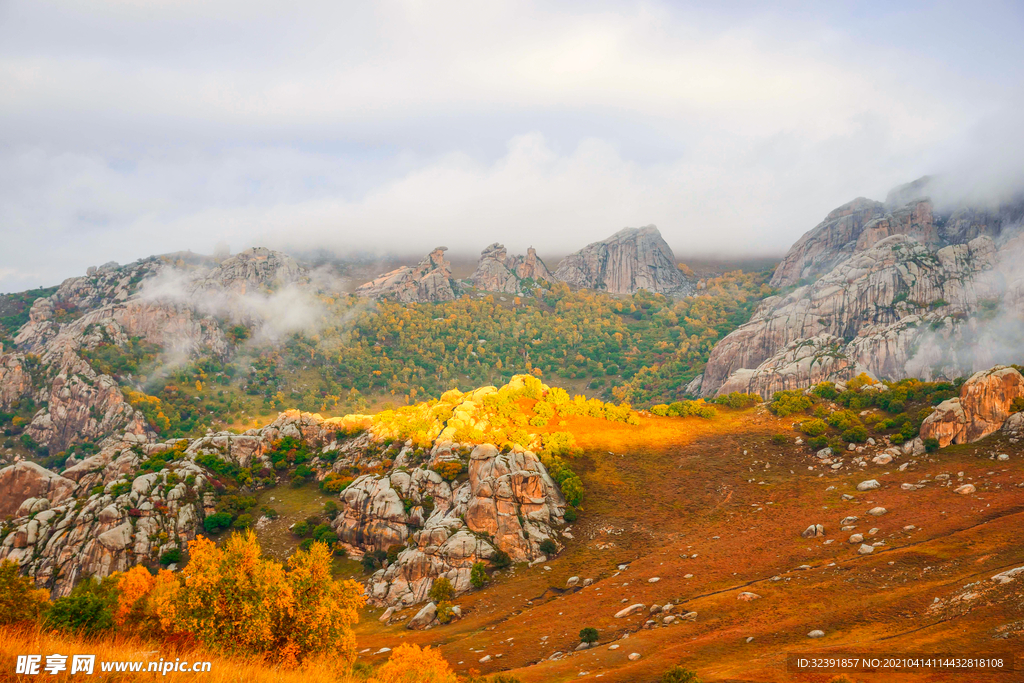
(387, 615)
(487, 658)
(877, 511)
(613, 646)
(424, 617)
(846, 496)
(856, 538)
(633, 656)
(747, 596)
(654, 579)
(865, 549)
(813, 531)
(750, 639)
(573, 580)
(1003, 456)
(849, 519)
(587, 582)
(824, 453)
(627, 611)
(582, 646)
(816, 633)
(965, 489)
(869, 485)
(882, 459)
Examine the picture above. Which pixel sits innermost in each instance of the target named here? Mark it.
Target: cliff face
(982, 408)
(499, 272)
(628, 261)
(158, 300)
(888, 295)
(430, 280)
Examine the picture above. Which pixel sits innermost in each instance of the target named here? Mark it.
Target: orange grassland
(670, 489)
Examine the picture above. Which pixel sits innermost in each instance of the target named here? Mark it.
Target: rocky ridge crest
(630, 260)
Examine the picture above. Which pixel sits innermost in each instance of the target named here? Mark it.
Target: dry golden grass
(15, 641)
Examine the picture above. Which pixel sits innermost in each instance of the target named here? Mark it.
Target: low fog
(130, 129)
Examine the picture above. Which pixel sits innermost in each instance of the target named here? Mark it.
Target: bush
(931, 444)
(738, 400)
(216, 522)
(788, 402)
(818, 442)
(442, 590)
(478, 575)
(678, 674)
(1017, 405)
(500, 559)
(20, 600)
(243, 521)
(394, 551)
(87, 611)
(449, 469)
(172, 556)
(334, 483)
(548, 547)
(825, 390)
(330, 509)
(813, 427)
(412, 663)
(588, 635)
(779, 439)
(857, 434)
(445, 611)
(300, 529)
(570, 514)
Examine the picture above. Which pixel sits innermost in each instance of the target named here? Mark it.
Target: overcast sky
(134, 127)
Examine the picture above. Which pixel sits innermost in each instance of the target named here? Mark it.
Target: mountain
(894, 289)
(630, 260)
(429, 280)
(499, 272)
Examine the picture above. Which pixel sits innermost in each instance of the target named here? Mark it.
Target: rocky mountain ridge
(499, 272)
(894, 291)
(630, 260)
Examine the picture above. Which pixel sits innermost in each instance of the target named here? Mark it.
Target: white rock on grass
(816, 633)
(965, 489)
(865, 549)
(633, 656)
(627, 611)
(877, 511)
(869, 485)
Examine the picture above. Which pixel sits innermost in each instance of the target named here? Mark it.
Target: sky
(136, 127)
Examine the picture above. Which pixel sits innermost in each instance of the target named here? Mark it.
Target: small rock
(747, 596)
(882, 459)
(1002, 456)
(813, 531)
(613, 646)
(654, 579)
(582, 646)
(849, 519)
(865, 549)
(824, 453)
(869, 485)
(486, 658)
(573, 580)
(856, 538)
(877, 511)
(750, 639)
(633, 656)
(846, 496)
(965, 489)
(587, 582)
(816, 633)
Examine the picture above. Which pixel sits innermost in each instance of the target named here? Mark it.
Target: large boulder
(983, 406)
(25, 480)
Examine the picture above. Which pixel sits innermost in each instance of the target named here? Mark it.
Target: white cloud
(129, 128)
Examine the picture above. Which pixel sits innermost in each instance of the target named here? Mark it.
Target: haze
(129, 128)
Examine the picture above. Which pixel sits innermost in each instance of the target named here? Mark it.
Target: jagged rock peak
(253, 268)
(429, 280)
(499, 272)
(630, 260)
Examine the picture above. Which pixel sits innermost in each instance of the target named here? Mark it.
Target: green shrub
(738, 400)
(393, 552)
(445, 611)
(814, 427)
(500, 559)
(931, 444)
(779, 439)
(588, 635)
(20, 600)
(216, 522)
(243, 521)
(817, 442)
(785, 403)
(570, 514)
(548, 547)
(300, 529)
(330, 509)
(442, 590)
(478, 575)
(856, 434)
(825, 390)
(172, 556)
(87, 611)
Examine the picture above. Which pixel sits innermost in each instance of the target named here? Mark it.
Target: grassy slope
(669, 487)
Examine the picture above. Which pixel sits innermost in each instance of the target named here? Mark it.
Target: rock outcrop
(984, 405)
(165, 301)
(499, 272)
(894, 290)
(508, 504)
(429, 280)
(630, 260)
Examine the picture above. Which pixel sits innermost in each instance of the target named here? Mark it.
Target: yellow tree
(412, 664)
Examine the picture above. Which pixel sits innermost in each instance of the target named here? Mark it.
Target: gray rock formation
(509, 503)
(982, 408)
(499, 272)
(630, 260)
(879, 293)
(430, 280)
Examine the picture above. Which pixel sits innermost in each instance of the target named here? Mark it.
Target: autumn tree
(20, 600)
(412, 664)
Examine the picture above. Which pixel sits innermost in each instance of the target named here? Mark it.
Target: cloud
(130, 128)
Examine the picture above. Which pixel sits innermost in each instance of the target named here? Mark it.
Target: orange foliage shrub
(236, 602)
(412, 664)
(146, 602)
